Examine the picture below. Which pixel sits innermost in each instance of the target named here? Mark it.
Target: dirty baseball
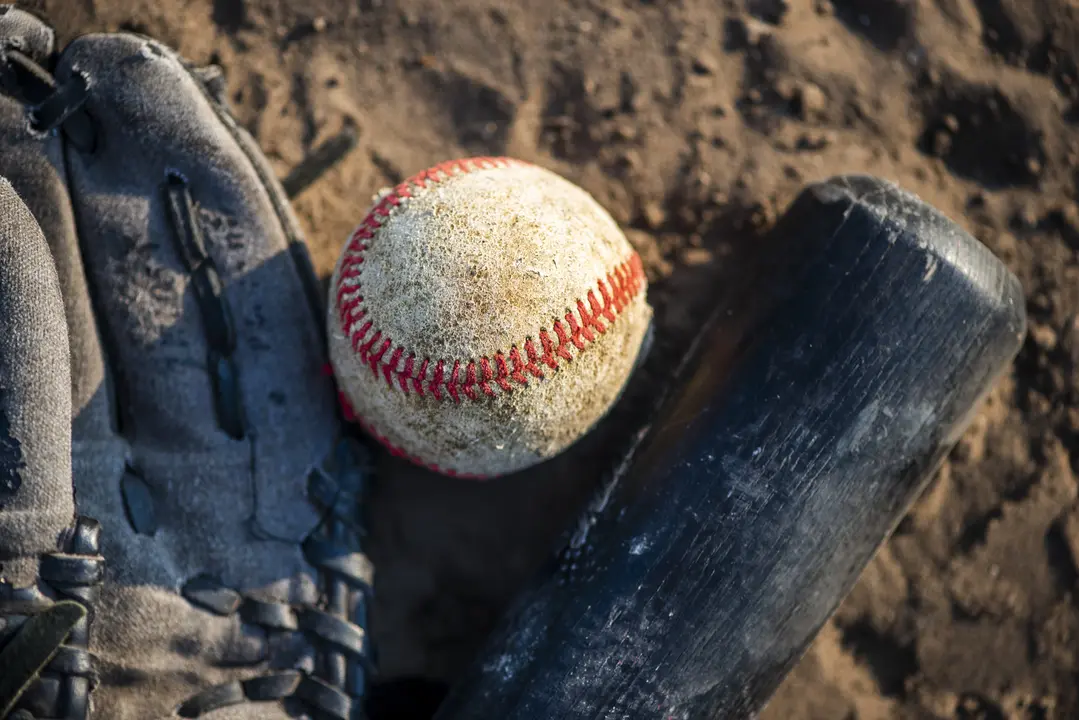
(484, 316)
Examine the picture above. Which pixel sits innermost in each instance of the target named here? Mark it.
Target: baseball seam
(351, 415)
(472, 379)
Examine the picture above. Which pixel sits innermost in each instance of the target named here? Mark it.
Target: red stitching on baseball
(454, 381)
(533, 357)
(436, 382)
(472, 379)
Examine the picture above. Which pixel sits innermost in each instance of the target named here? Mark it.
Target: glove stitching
(209, 290)
(345, 657)
(62, 689)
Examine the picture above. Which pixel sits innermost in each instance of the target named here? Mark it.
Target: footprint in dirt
(1005, 32)
(571, 117)
(480, 111)
(885, 23)
(891, 663)
(982, 135)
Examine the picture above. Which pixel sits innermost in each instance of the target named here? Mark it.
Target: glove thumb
(37, 503)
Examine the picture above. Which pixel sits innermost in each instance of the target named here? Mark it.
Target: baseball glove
(179, 503)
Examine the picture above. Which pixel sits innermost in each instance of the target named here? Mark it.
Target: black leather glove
(179, 509)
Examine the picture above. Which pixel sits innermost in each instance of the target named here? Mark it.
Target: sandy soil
(695, 122)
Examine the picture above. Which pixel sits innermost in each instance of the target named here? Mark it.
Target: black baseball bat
(791, 447)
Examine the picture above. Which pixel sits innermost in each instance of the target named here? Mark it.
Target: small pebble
(630, 159)
(319, 24)
(810, 100)
(749, 30)
(813, 141)
(704, 64)
(695, 256)
(1027, 218)
(940, 143)
(1044, 337)
(1073, 419)
(1039, 404)
(624, 130)
(654, 214)
(613, 15)
(1070, 214)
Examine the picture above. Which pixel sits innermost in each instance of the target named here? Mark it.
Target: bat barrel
(773, 474)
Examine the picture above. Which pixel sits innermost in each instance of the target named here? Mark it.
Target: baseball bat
(795, 439)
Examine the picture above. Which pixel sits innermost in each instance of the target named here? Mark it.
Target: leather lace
(45, 632)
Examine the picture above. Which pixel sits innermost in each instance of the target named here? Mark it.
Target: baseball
(484, 316)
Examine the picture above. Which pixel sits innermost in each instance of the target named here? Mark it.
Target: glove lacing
(337, 687)
(46, 675)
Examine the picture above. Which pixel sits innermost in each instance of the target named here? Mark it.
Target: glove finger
(212, 336)
(33, 162)
(36, 499)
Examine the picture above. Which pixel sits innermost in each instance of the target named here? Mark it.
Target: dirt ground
(695, 122)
